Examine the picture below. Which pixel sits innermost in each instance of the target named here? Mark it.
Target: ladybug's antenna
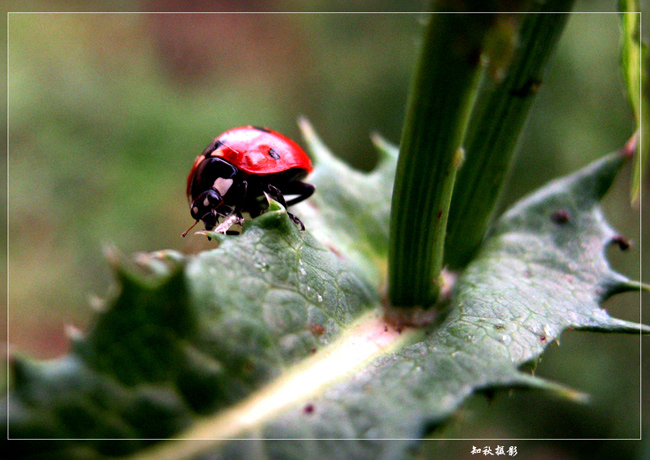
(186, 231)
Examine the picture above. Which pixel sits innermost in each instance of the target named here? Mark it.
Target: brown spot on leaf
(623, 243)
(316, 329)
(561, 216)
(309, 409)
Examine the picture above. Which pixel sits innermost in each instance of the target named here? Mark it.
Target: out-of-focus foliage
(107, 113)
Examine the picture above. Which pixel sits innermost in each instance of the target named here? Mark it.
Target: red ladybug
(238, 167)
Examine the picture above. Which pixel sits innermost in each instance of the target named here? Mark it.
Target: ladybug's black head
(204, 208)
(209, 187)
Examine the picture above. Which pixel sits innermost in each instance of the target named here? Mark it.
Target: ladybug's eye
(212, 199)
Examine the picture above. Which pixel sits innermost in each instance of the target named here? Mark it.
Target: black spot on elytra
(274, 154)
(264, 130)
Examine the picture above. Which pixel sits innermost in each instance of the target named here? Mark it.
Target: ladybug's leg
(276, 194)
(235, 213)
(233, 216)
(279, 197)
(224, 211)
(295, 187)
(296, 220)
(238, 206)
(224, 227)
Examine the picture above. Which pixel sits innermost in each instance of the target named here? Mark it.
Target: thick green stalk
(634, 55)
(496, 125)
(430, 153)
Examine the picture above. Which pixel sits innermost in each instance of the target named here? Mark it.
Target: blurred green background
(106, 113)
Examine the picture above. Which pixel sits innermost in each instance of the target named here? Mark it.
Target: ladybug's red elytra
(232, 175)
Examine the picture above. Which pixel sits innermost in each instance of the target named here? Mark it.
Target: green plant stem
(634, 55)
(497, 123)
(439, 105)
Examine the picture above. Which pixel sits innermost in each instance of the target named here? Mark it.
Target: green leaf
(274, 335)
(350, 212)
